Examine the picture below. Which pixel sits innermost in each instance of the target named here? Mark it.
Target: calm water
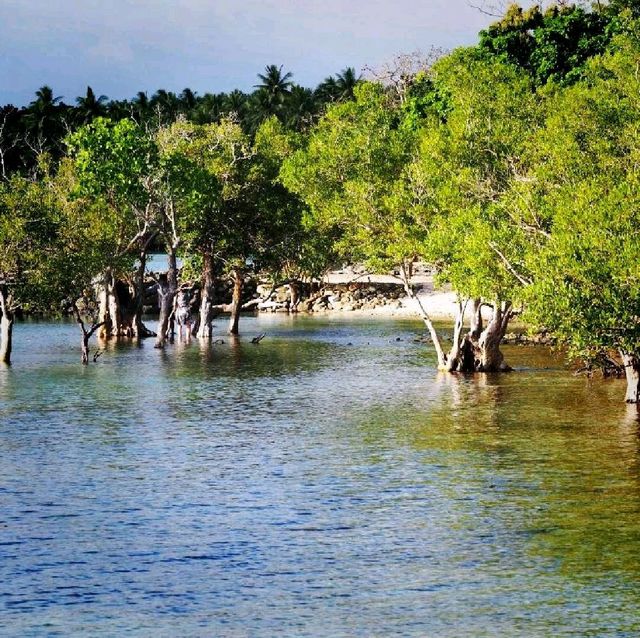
(327, 482)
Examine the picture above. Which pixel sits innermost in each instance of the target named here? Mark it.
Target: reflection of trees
(239, 380)
(546, 463)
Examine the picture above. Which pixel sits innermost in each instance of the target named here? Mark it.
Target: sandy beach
(440, 303)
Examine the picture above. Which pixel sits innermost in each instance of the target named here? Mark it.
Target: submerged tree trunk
(167, 288)
(491, 357)
(405, 270)
(140, 331)
(109, 312)
(481, 351)
(475, 328)
(85, 348)
(456, 354)
(6, 327)
(87, 333)
(236, 301)
(294, 291)
(206, 297)
(632, 373)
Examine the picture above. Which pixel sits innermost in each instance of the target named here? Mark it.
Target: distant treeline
(43, 125)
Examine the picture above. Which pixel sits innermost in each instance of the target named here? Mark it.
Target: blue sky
(120, 47)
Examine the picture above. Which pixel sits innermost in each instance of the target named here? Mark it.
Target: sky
(120, 47)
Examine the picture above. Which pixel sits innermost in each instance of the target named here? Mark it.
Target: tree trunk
(206, 298)
(172, 276)
(109, 314)
(490, 357)
(405, 276)
(455, 356)
(6, 334)
(86, 334)
(238, 283)
(167, 288)
(294, 291)
(475, 329)
(85, 348)
(6, 325)
(140, 331)
(632, 373)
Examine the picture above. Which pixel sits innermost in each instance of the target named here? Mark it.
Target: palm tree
(45, 120)
(44, 98)
(300, 107)
(270, 95)
(259, 107)
(140, 105)
(346, 82)
(236, 102)
(121, 109)
(274, 82)
(142, 100)
(339, 88)
(188, 99)
(209, 109)
(89, 106)
(166, 103)
(327, 90)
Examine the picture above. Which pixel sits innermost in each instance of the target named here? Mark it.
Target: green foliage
(466, 170)
(586, 181)
(113, 176)
(424, 100)
(512, 167)
(112, 160)
(586, 287)
(228, 200)
(348, 173)
(29, 242)
(554, 45)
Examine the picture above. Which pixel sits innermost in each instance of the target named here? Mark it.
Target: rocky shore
(337, 293)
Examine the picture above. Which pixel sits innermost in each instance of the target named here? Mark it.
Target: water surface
(327, 482)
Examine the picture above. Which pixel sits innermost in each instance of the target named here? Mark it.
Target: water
(327, 482)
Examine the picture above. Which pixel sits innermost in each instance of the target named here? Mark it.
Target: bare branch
(507, 264)
(399, 74)
(489, 9)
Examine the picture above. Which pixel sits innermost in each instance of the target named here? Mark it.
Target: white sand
(439, 304)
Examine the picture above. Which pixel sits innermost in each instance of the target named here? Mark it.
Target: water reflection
(327, 481)
(546, 463)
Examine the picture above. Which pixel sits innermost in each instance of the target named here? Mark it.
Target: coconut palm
(327, 90)
(45, 120)
(188, 99)
(260, 107)
(274, 82)
(166, 104)
(141, 106)
(210, 108)
(90, 106)
(345, 83)
(300, 107)
(236, 102)
(270, 96)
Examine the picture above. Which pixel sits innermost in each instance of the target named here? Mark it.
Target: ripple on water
(325, 482)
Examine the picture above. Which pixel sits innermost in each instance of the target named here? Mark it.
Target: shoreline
(441, 305)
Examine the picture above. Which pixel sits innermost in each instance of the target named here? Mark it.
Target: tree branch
(507, 264)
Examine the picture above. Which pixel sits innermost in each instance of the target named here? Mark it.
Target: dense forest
(510, 166)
